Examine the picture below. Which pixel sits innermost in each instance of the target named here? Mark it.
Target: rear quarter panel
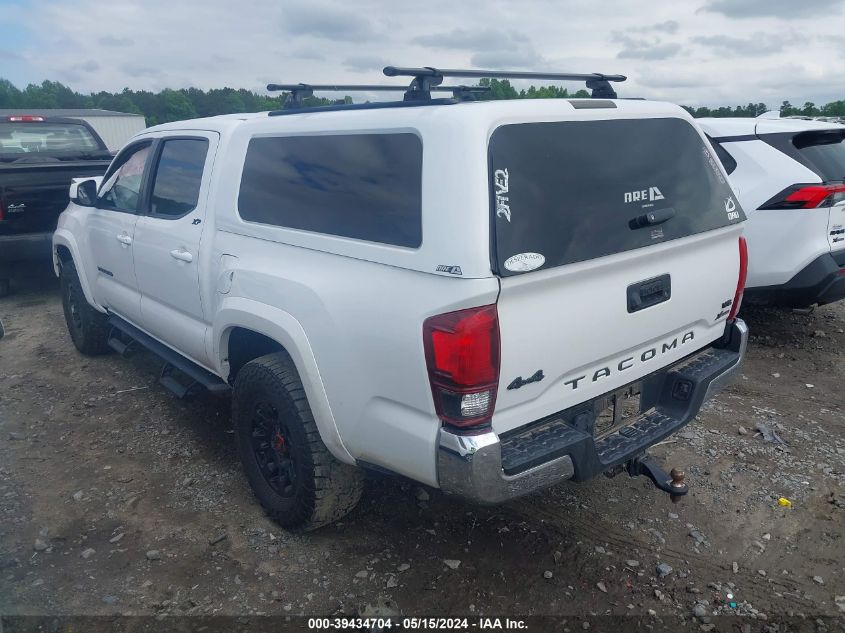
(363, 323)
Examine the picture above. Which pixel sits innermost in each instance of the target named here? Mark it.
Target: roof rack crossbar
(427, 77)
(299, 91)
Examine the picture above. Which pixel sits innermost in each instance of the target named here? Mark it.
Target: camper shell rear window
(565, 192)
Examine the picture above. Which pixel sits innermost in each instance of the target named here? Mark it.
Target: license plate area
(617, 410)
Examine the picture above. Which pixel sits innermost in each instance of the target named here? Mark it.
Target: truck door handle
(182, 255)
(124, 239)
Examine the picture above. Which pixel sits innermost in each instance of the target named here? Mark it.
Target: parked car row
(789, 175)
(485, 297)
(39, 156)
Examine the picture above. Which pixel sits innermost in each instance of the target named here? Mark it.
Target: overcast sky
(694, 52)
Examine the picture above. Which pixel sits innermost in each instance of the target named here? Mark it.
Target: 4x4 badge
(519, 381)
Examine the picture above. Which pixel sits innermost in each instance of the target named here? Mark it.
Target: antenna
(297, 92)
(426, 78)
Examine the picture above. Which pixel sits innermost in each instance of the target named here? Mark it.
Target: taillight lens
(807, 197)
(25, 118)
(462, 355)
(740, 283)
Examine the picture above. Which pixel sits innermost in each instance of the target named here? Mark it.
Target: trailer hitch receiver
(672, 483)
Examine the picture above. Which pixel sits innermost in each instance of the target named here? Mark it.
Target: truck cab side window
(121, 191)
(178, 177)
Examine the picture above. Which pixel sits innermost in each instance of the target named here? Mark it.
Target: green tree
(787, 109)
(186, 103)
(117, 102)
(10, 96)
(499, 89)
(810, 109)
(835, 108)
(174, 105)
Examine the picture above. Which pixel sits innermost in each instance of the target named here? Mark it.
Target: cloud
(328, 23)
(669, 51)
(6, 55)
(365, 63)
(89, 67)
(669, 26)
(491, 48)
(109, 40)
(309, 53)
(645, 49)
(136, 70)
(773, 8)
(653, 79)
(657, 51)
(757, 44)
(507, 60)
(472, 40)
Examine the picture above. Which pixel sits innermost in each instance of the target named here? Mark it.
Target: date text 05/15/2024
(431, 624)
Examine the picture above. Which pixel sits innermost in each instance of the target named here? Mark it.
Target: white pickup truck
(485, 297)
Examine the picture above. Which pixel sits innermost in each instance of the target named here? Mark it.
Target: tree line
(188, 103)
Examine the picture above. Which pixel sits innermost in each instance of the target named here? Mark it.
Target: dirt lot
(117, 498)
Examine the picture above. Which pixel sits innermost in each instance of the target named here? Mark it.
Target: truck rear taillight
(807, 197)
(462, 355)
(740, 283)
(24, 118)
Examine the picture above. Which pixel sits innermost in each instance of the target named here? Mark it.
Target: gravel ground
(116, 498)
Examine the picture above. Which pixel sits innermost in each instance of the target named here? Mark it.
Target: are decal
(523, 262)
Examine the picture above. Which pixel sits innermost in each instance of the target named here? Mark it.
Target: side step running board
(174, 362)
(119, 342)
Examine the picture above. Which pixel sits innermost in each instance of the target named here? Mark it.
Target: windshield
(45, 138)
(564, 192)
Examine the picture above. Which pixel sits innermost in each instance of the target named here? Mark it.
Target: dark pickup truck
(39, 156)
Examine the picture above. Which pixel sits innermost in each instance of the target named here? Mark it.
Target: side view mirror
(84, 191)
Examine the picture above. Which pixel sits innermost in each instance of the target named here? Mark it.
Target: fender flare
(282, 327)
(65, 238)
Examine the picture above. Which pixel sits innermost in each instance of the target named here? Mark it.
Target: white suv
(789, 175)
(488, 298)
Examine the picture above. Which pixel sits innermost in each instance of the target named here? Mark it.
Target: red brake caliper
(279, 443)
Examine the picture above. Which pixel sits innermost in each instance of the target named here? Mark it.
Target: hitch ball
(677, 482)
(678, 476)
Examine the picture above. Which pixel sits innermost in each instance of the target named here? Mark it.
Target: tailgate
(618, 256)
(33, 195)
(573, 324)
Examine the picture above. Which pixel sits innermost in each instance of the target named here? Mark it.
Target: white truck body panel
(350, 312)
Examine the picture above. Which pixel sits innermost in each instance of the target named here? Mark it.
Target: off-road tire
(88, 327)
(321, 489)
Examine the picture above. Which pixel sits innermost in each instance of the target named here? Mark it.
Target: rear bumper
(487, 468)
(821, 281)
(25, 247)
